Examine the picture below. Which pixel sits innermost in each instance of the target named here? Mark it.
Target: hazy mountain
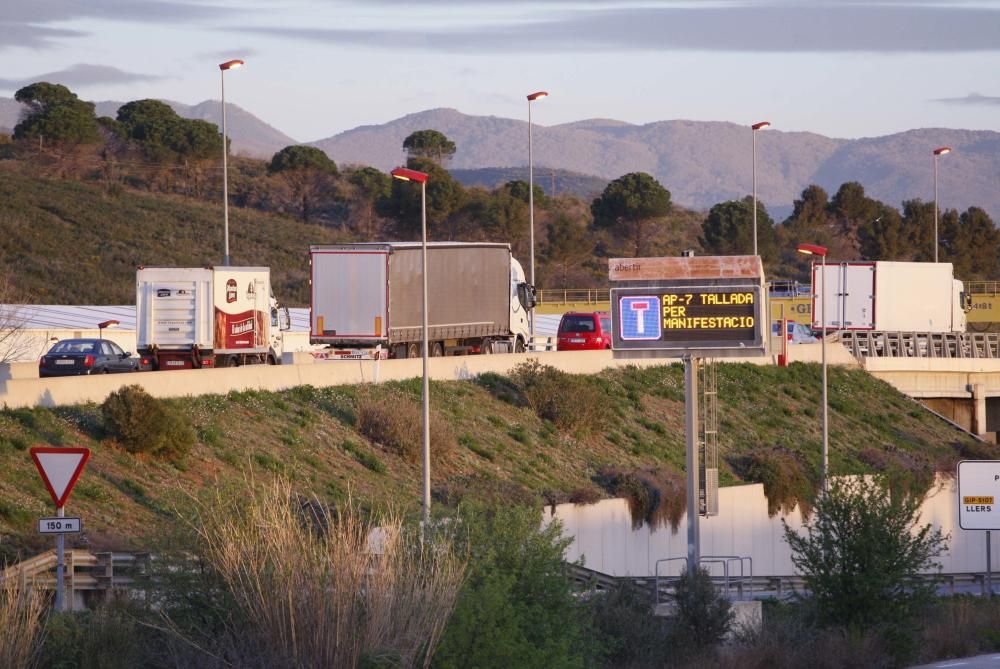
(703, 163)
(250, 136)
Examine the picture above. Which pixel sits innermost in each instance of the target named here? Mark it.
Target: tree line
(149, 146)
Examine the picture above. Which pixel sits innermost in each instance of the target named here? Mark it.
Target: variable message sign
(690, 320)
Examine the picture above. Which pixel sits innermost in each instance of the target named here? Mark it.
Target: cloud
(82, 75)
(971, 99)
(31, 36)
(223, 55)
(766, 27)
(24, 23)
(48, 11)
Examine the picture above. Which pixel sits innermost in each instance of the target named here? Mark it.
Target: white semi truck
(198, 317)
(367, 299)
(883, 296)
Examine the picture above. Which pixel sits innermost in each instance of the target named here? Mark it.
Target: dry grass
(328, 589)
(22, 621)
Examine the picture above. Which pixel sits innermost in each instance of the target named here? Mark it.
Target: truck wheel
(519, 346)
(399, 351)
(413, 351)
(234, 361)
(437, 350)
(486, 347)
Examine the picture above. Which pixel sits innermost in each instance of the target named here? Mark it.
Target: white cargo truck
(367, 299)
(883, 296)
(196, 317)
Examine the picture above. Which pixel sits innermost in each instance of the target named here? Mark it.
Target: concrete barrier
(29, 392)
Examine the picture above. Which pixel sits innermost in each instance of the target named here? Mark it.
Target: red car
(584, 331)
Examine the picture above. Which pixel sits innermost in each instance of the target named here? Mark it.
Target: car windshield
(64, 347)
(571, 323)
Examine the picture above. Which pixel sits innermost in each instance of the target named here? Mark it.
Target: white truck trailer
(196, 317)
(367, 299)
(884, 296)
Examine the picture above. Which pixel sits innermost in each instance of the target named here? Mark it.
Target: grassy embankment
(620, 431)
(68, 242)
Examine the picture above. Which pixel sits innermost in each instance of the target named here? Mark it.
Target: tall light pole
(531, 209)
(754, 128)
(817, 250)
(937, 152)
(405, 174)
(228, 65)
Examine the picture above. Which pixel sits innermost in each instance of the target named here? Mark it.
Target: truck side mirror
(966, 301)
(526, 295)
(285, 318)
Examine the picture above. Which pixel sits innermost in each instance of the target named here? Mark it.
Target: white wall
(602, 534)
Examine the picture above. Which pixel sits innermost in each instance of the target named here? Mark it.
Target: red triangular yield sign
(60, 468)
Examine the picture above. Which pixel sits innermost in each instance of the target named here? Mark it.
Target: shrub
(103, 639)
(397, 425)
(628, 633)
(517, 607)
(786, 478)
(703, 615)
(569, 401)
(858, 555)
(655, 496)
(144, 424)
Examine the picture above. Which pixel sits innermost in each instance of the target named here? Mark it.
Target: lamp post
(531, 209)
(754, 128)
(817, 250)
(937, 152)
(228, 65)
(103, 325)
(404, 174)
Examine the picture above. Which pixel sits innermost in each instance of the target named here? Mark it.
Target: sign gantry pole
(691, 462)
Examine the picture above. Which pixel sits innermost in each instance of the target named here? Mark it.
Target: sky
(314, 68)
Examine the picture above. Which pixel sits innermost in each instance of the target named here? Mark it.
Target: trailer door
(849, 291)
(349, 295)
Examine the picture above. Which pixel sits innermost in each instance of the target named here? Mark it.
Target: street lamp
(817, 250)
(103, 325)
(754, 128)
(405, 174)
(937, 152)
(228, 65)
(531, 208)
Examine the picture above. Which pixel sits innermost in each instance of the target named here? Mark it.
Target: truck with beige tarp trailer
(367, 299)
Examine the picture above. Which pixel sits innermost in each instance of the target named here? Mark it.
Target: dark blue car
(75, 357)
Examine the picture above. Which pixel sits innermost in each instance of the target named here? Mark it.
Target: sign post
(689, 308)
(978, 493)
(60, 469)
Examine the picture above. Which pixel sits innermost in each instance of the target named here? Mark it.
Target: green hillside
(68, 242)
(539, 436)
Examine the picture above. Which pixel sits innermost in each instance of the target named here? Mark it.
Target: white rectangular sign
(59, 525)
(979, 494)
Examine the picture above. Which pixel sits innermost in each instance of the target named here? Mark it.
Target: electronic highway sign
(689, 320)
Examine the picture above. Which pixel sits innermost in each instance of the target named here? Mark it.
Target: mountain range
(700, 162)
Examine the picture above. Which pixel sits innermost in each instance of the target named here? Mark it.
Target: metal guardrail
(549, 296)
(84, 571)
(921, 344)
